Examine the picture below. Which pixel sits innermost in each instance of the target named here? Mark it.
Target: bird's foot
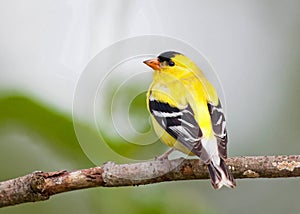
(164, 156)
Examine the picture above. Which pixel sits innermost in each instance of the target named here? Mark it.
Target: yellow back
(184, 84)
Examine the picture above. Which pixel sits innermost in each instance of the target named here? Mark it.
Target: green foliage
(19, 114)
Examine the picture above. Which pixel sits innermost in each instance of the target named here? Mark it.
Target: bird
(187, 115)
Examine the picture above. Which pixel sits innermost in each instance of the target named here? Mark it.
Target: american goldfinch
(187, 115)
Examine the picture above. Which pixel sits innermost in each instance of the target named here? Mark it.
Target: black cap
(166, 56)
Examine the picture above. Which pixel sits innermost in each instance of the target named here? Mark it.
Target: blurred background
(46, 45)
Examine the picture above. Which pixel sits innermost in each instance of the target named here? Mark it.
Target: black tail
(220, 175)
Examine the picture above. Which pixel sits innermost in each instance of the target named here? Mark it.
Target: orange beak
(153, 63)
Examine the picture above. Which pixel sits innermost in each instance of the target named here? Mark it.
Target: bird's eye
(171, 63)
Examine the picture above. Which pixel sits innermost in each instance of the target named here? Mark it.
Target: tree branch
(39, 186)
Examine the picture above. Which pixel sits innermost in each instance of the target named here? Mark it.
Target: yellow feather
(179, 86)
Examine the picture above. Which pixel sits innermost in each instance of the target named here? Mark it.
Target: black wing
(219, 127)
(180, 124)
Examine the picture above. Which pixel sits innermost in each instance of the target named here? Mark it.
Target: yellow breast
(180, 93)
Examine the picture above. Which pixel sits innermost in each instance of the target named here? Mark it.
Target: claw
(164, 156)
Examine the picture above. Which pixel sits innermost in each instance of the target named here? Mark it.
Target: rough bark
(39, 186)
